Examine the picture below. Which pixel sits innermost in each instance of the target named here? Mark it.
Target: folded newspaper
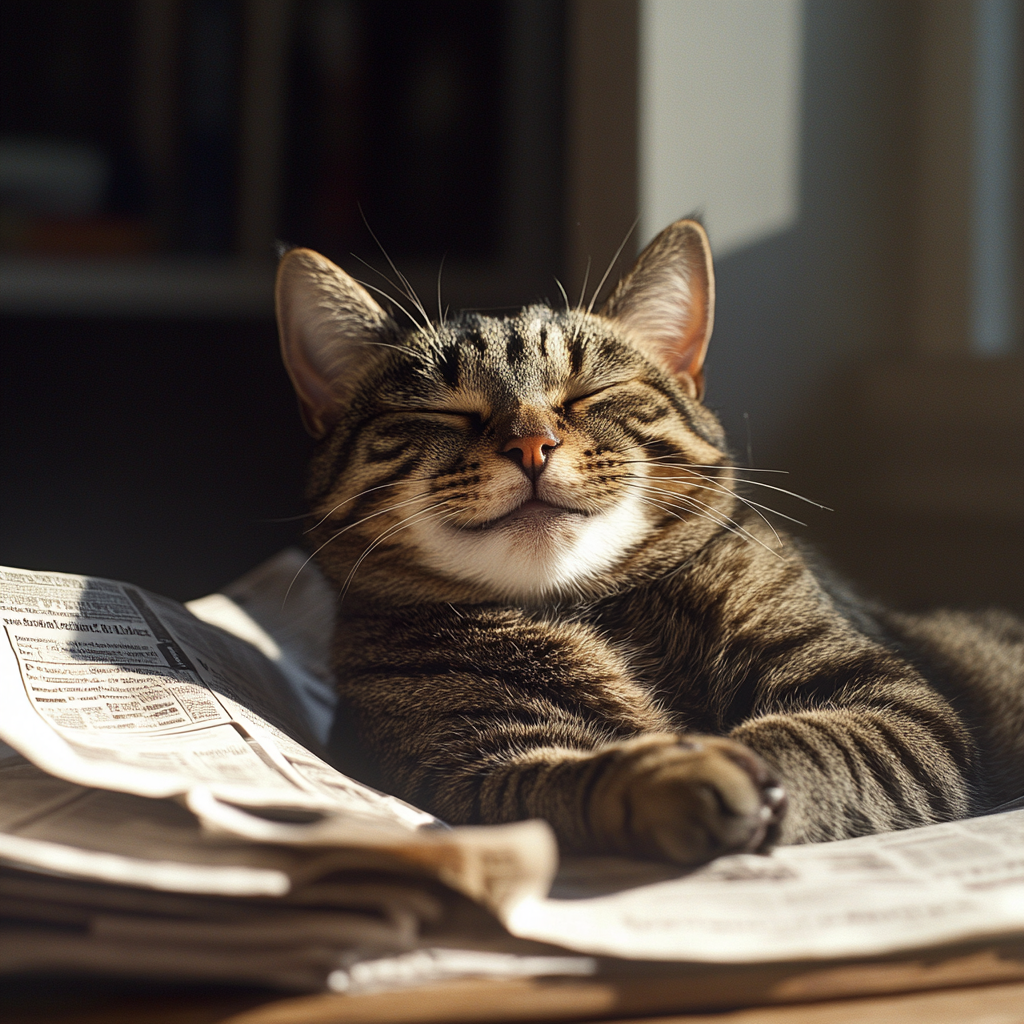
(166, 811)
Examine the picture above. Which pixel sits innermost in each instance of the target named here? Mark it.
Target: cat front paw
(686, 799)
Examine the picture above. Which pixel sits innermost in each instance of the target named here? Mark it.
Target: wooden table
(980, 984)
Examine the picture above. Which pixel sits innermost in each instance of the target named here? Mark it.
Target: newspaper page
(97, 880)
(876, 894)
(104, 684)
(284, 608)
(99, 835)
(132, 885)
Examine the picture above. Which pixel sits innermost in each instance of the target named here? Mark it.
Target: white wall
(720, 116)
(792, 125)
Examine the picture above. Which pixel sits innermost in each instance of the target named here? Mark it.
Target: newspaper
(113, 693)
(109, 882)
(877, 894)
(285, 609)
(165, 811)
(151, 753)
(106, 685)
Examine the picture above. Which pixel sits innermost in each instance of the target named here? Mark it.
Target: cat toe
(770, 793)
(693, 800)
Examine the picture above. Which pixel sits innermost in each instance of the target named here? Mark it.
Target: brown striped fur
(554, 600)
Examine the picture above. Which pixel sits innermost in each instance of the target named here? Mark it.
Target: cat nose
(531, 453)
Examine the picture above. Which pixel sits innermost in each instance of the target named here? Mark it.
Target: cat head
(524, 459)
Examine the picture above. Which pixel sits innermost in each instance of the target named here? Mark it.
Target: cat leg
(663, 796)
(531, 720)
(856, 771)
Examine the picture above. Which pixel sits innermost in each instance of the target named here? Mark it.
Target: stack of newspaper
(165, 811)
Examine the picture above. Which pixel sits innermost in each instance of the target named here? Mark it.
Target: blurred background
(857, 163)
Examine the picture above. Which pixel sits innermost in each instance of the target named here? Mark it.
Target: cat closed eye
(472, 419)
(574, 399)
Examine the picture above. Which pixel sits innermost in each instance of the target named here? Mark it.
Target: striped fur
(618, 643)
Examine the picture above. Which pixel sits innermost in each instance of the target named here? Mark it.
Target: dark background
(159, 451)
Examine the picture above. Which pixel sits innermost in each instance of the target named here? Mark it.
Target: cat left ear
(666, 302)
(325, 320)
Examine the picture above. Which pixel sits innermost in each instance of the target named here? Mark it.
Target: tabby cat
(553, 602)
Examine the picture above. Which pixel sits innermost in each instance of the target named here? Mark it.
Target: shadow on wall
(922, 461)
(794, 308)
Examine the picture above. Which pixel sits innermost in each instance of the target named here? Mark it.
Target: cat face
(521, 459)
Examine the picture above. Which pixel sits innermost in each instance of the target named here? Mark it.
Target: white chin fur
(530, 561)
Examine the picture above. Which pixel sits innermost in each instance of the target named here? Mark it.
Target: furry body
(555, 600)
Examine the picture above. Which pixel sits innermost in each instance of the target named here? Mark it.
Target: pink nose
(531, 452)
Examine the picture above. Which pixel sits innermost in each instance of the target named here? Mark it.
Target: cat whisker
(711, 509)
(731, 494)
(690, 468)
(440, 312)
(583, 290)
(425, 326)
(379, 273)
(381, 512)
(670, 509)
(702, 465)
(754, 506)
(298, 572)
(398, 288)
(390, 297)
(394, 527)
(721, 465)
(680, 458)
(369, 490)
(678, 462)
(782, 490)
(709, 512)
(561, 288)
(417, 302)
(615, 258)
(345, 529)
(743, 531)
(434, 512)
(681, 467)
(407, 289)
(772, 487)
(411, 295)
(398, 348)
(673, 496)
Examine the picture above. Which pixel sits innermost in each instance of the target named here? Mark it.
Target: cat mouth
(532, 512)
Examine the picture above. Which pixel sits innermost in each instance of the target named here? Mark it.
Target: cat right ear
(667, 302)
(324, 318)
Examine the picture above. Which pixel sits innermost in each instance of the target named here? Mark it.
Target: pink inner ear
(297, 337)
(311, 389)
(684, 345)
(323, 317)
(666, 302)
(315, 398)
